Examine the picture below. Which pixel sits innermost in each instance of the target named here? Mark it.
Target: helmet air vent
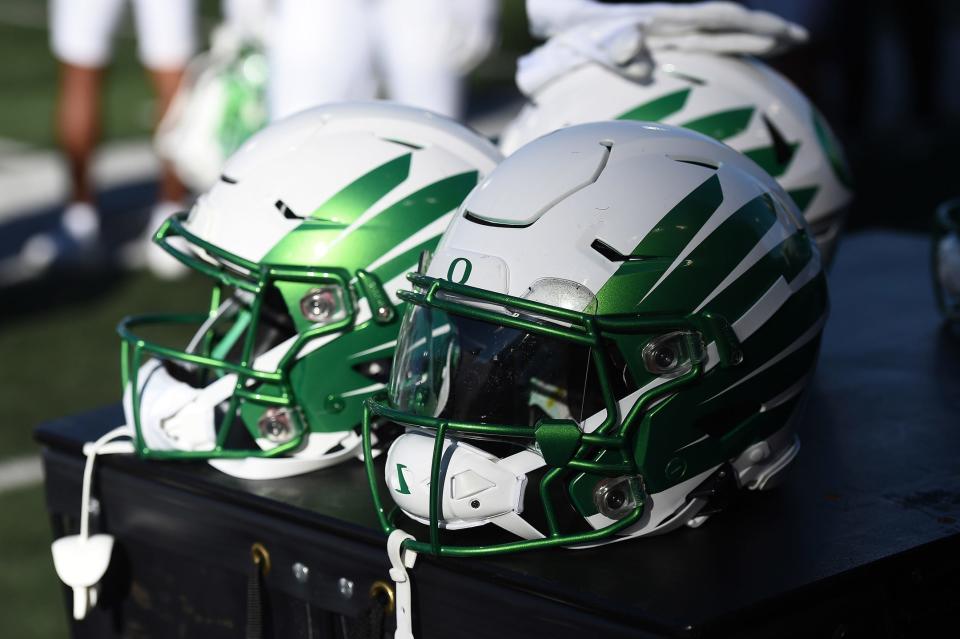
(409, 145)
(476, 219)
(287, 211)
(707, 164)
(228, 179)
(782, 150)
(614, 255)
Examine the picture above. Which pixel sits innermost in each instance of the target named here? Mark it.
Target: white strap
(74, 548)
(400, 560)
(91, 450)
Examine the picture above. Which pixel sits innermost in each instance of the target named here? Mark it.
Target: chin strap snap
(81, 560)
(401, 559)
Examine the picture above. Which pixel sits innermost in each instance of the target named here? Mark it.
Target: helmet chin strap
(82, 560)
(200, 404)
(401, 559)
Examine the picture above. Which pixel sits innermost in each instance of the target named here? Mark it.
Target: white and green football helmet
(613, 337)
(309, 232)
(736, 99)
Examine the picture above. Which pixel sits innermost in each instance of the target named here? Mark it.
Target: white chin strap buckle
(82, 560)
(401, 559)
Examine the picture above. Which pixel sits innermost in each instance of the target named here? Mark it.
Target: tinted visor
(462, 369)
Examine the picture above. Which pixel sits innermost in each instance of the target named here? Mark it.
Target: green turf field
(32, 602)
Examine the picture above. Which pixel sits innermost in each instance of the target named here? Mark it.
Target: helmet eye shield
(463, 369)
(568, 446)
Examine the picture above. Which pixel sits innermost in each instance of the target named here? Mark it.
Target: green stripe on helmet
(723, 125)
(717, 406)
(766, 157)
(406, 261)
(404, 218)
(714, 258)
(797, 314)
(831, 147)
(787, 259)
(675, 230)
(803, 197)
(351, 202)
(313, 243)
(656, 110)
(664, 241)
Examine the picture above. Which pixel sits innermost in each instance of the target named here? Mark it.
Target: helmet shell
(736, 99)
(360, 189)
(637, 221)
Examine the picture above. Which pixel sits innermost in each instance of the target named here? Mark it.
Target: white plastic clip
(81, 560)
(401, 559)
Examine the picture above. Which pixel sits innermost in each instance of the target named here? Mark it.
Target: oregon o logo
(402, 487)
(465, 273)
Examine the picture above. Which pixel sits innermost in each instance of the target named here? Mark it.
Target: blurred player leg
(165, 83)
(426, 49)
(319, 52)
(167, 38)
(81, 37)
(78, 124)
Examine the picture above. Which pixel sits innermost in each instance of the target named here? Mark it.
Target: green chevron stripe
(694, 414)
(406, 261)
(404, 218)
(656, 110)
(713, 259)
(675, 230)
(351, 202)
(723, 125)
(306, 243)
(787, 258)
(620, 293)
(803, 197)
(831, 147)
(766, 157)
(312, 243)
(801, 311)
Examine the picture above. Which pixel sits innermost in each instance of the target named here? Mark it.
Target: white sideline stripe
(34, 179)
(20, 472)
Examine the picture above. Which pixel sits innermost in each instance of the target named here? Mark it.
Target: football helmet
(220, 103)
(625, 315)
(735, 99)
(307, 235)
(946, 259)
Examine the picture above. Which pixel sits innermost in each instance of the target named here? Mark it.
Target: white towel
(622, 37)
